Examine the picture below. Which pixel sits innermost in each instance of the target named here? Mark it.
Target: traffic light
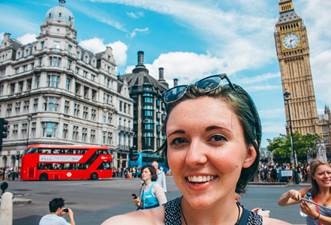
(3, 130)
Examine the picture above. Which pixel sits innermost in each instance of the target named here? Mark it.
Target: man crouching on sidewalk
(57, 211)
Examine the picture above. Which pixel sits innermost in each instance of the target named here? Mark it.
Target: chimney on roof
(6, 36)
(140, 67)
(161, 74)
(175, 82)
(140, 58)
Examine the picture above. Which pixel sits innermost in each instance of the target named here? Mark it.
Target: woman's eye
(178, 141)
(217, 137)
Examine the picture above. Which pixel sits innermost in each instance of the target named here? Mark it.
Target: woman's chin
(201, 202)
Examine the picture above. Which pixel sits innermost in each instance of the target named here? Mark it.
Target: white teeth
(200, 179)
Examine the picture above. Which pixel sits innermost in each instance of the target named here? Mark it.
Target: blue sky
(192, 38)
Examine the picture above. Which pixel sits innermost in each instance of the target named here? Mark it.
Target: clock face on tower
(290, 41)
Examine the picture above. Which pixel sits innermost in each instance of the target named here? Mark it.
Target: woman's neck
(224, 212)
(147, 182)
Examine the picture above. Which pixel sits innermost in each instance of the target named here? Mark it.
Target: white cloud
(27, 38)
(96, 45)
(120, 52)
(186, 66)
(98, 14)
(135, 15)
(138, 30)
(234, 37)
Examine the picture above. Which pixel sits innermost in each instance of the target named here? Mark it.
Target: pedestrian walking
(161, 178)
(151, 193)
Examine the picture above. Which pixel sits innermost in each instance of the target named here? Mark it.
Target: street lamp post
(28, 130)
(287, 99)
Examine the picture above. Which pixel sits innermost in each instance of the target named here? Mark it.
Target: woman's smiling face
(206, 150)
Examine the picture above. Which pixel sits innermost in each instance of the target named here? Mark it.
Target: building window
(24, 130)
(17, 107)
(33, 129)
(36, 81)
(51, 104)
(69, 63)
(104, 133)
(20, 86)
(1, 89)
(9, 109)
(15, 130)
(86, 92)
(66, 107)
(75, 133)
(85, 112)
(49, 129)
(148, 113)
(104, 117)
(35, 104)
(148, 100)
(109, 138)
(53, 81)
(65, 131)
(84, 73)
(84, 134)
(77, 88)
(76, 109)
(110, 117)
(26, 105)
(68, 83)
(92, 136)
(55, 61)
(28, 84)
(12, 89)
(94, 95)
(93, 114)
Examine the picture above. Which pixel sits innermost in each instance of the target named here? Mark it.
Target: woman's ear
(250, 156)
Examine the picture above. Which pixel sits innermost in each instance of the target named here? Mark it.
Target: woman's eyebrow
(176, 132)
(214, 127)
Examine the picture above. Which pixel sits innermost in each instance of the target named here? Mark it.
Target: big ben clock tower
(293, 55)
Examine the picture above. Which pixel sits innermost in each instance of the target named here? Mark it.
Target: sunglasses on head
(204, 85)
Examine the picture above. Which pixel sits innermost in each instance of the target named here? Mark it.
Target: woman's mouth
(200, 179)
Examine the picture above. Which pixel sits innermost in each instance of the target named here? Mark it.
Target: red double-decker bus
(66, 162)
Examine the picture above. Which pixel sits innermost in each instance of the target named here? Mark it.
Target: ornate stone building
(149, 110)
(54, 91)
(293, 55)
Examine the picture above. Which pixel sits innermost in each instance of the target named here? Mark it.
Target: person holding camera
(57, 211)
(151, 194)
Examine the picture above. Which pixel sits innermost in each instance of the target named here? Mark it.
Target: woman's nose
(196, 153)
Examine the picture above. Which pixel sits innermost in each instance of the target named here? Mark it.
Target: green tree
(303, 144)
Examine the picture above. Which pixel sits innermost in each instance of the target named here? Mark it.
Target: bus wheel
(94, 176)
(43, 177)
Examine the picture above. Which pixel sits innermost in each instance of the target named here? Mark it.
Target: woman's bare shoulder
(140, 217)
(271, 221)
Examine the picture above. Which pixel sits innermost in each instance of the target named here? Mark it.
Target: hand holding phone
(134, 196)
(309, 201)
(66, 210)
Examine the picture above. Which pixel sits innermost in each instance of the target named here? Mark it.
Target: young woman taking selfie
(213, 133)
